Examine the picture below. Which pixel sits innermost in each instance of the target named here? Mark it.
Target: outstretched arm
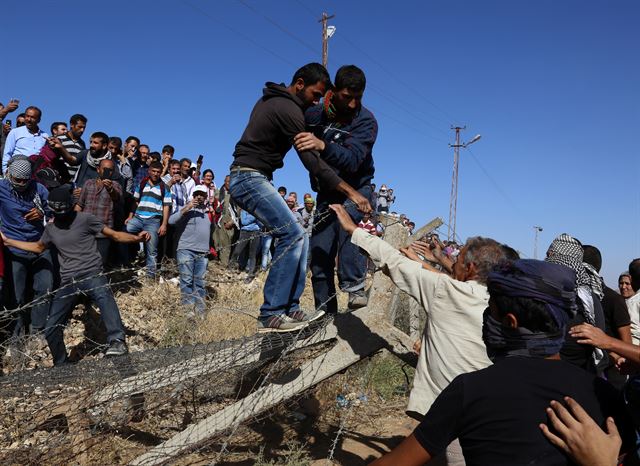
(37, 247)
(122, 237)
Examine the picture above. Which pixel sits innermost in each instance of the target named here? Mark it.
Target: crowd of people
(520, 362)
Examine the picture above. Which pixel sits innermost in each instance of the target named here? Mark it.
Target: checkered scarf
(566, 250)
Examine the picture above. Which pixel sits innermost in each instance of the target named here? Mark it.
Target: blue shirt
(13, 207)
(193, 229)
(248, 222)
(20, 141)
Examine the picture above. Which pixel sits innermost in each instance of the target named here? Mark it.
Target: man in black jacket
(275, 120)
(344, 132)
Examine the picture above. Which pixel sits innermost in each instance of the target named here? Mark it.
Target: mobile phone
(200, 159)
(8, 122)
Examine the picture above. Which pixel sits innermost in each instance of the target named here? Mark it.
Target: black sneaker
(116, 348)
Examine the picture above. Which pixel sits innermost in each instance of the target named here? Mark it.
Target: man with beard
(343, 132)
(497, 412)
(74, 236)
(25, 140)
(72, 141)
(100, 197)
(87, 160)
(276, 119)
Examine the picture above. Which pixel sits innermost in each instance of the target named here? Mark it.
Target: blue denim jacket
(13, 207)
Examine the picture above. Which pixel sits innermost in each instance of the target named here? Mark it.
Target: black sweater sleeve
(292, 124)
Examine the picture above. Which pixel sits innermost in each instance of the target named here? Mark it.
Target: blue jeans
(65, 299)
(253, 192)
(138, 224)
(21, 266)
(192, 266)
(265, 247)
(330, 240)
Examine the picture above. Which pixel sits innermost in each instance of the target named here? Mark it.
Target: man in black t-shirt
(74, 236)
(496, 412)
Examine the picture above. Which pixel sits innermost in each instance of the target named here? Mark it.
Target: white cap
(200, 189)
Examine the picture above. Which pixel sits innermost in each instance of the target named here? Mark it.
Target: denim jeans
(253, 192)
(20, 266)
(328, 241)
(138, 224)
(65, 299)
(192, 266)
(265, 248)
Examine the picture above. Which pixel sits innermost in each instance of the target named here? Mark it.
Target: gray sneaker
(280, 323)
(357, 299)
(306, 317)
(117, 348)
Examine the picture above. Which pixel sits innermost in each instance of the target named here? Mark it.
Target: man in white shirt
(25, 140)
(188, 183)
(633, 303)
(452, 340)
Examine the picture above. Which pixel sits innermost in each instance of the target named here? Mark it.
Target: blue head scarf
(551, 284)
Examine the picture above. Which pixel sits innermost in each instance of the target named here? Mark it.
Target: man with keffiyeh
(498, 412)
(567, 251)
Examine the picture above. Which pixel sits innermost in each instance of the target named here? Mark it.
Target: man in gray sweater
(192, 229)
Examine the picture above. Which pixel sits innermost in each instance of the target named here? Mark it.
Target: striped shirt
(73, 148)
(151, 202)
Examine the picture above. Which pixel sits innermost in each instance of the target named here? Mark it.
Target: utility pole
(453, 203)
(325, 38)
(535, 241)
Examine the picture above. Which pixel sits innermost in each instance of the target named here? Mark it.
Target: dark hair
(32, 107)
(485, 253)
(174, 162)
(208, 170)
(140, 145)
(155, 155)
(21, 115)
(133, 138)
(115, 140)
(55, 124)
(510, 253)
(592, 256)
(634, 272)
(532, 314)
(155, 164)
(76, 118)
(312, 73)
(169, 149)
(101, 135)
(350, 77)
(282, 188)
(184, 159)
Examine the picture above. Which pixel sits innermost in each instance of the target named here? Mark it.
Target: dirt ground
(357, 415)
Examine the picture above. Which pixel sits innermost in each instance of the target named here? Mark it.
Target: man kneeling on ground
(74, 236)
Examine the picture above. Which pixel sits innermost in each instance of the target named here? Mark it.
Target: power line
(281, 28)
(235, 31)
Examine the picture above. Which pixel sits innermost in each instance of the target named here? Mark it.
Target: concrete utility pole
(535, 241)
(325, 38)
(453, 203)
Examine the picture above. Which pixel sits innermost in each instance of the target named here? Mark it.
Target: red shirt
(368, 226)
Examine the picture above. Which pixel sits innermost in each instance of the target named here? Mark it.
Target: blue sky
(552, 86)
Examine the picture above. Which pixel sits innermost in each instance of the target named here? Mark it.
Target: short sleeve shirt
(495, 412)
(76, 245)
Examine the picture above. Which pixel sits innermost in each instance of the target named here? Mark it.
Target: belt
(244, 169)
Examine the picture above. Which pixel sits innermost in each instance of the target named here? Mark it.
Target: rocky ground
(355, 415)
